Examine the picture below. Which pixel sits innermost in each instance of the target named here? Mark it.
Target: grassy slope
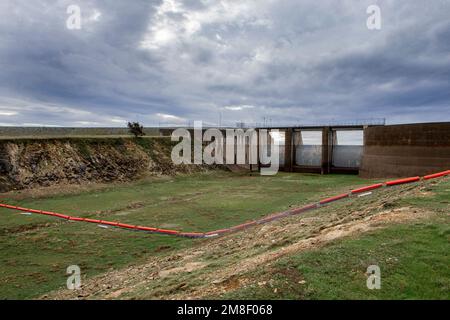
(414, 260)
(36, 250)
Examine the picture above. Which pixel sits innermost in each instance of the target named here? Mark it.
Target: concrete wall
(347, 156)
(405, 150)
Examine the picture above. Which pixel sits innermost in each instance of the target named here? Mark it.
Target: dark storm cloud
(170, 61)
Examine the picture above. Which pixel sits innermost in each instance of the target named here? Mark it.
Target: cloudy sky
(172, 61)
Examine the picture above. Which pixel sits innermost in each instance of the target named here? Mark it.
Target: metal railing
(281, 124)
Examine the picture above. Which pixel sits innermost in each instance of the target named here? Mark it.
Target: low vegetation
(35, 250)
(320, 254)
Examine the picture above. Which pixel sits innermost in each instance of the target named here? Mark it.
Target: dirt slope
(46, 162)
(216, 266)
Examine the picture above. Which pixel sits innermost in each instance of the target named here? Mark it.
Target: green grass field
(414, 259)
(36, 250)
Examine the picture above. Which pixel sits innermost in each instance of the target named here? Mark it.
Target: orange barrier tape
(266, 219)
(108, 223)
(126, 226)
(146, 228)
(332, 199)
(402, 181)
(244, 225)
(437, 175)
(76, 219)
(218, 231)
(167, 231)
(34, 211)
(48, 213)
(92, 220)
(192, 234)
(303, 209)
(62, 216)
(368, 188)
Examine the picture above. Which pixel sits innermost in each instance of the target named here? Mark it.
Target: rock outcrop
(31, 163)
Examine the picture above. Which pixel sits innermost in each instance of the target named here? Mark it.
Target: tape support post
(269, 218)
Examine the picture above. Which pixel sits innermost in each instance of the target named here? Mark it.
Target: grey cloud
(290, 60)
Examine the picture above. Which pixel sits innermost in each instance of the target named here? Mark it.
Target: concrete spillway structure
(405, 150)
(384, 151)
(320, 149)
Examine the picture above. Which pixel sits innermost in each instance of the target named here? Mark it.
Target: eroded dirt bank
(31, 163)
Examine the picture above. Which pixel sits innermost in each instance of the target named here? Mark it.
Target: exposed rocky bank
(31, 163)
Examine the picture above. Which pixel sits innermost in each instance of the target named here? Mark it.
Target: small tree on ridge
(136, 129)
